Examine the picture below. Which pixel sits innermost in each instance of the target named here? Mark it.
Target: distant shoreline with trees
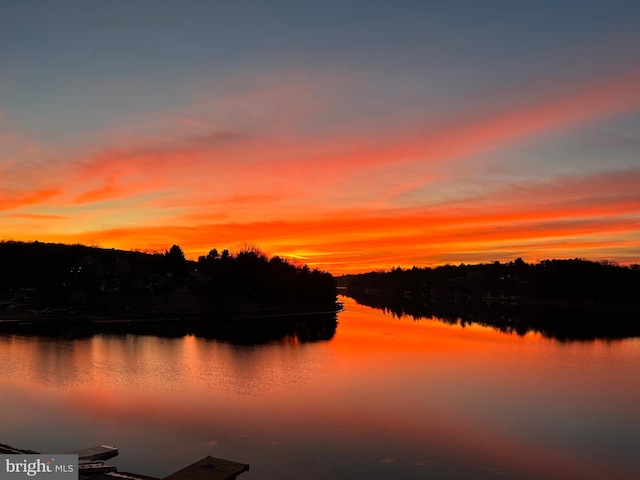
(562, 299)
(79, 289)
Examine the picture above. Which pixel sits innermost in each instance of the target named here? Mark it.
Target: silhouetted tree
(176, 262)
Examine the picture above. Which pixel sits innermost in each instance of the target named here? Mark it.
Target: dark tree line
(251, 275)
(42, 275)
(50, 274)
(560, 281)
(564, 299)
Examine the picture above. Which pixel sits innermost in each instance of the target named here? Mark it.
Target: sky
(349, 135)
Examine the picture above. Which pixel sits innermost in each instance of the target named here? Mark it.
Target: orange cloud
(481, 131)
(242, 161)
(573, 216)
(327, 197)
(16, 199)
(34, 216)
(106, 192)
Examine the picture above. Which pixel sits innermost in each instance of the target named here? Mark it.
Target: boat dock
(101, 452)
(209, 468)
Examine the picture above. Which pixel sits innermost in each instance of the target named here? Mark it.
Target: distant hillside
(565, 299)
(574, 280)
(51, 278)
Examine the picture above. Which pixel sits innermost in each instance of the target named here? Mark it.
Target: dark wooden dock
(101, 452)
(210, 468)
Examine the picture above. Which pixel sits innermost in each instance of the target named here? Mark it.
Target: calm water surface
(386, 398)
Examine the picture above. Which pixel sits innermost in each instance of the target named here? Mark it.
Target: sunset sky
(351, 135)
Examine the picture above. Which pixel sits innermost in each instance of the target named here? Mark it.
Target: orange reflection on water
(413, 393)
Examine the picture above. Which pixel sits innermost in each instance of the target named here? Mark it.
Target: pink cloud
(235, 161)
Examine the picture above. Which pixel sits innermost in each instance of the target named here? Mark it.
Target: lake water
(385, 398)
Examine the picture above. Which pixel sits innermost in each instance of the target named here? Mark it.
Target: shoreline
(34, 317)
(241, 326)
